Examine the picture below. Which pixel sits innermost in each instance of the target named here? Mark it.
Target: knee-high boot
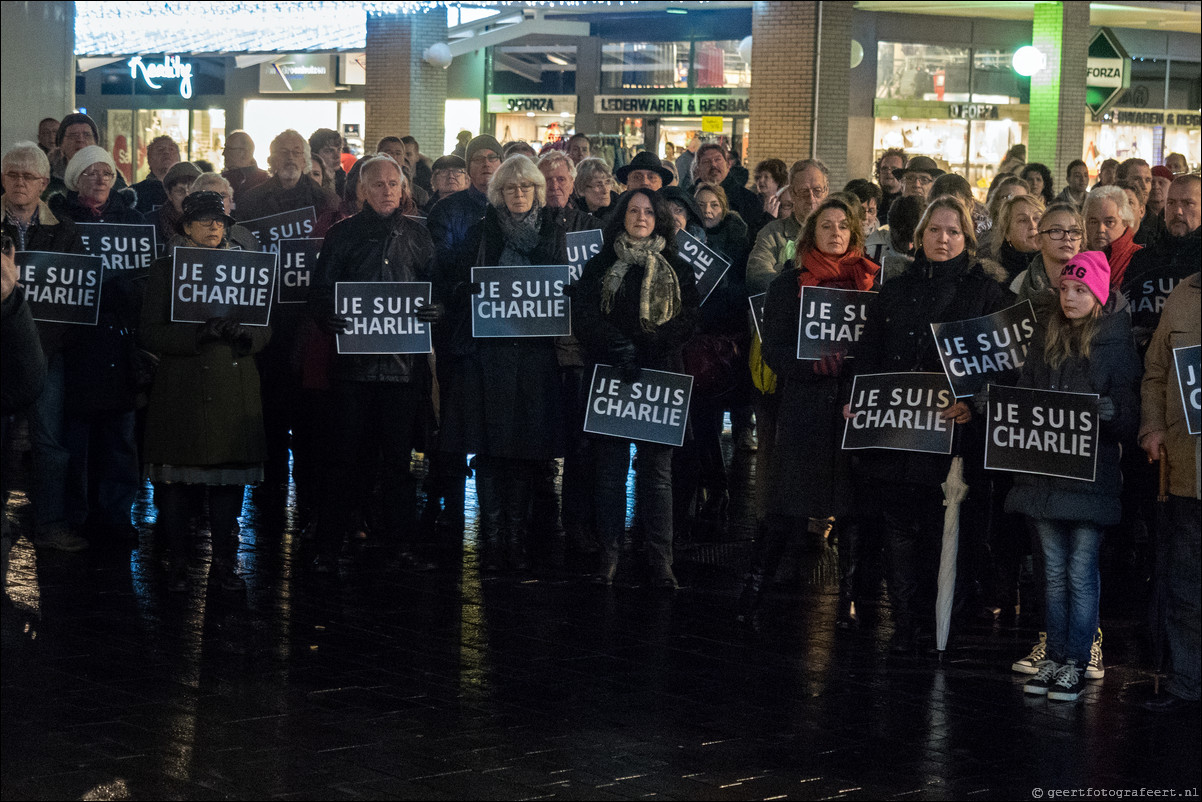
(769, 546)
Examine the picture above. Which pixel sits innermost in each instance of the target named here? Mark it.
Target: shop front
(1149, 134)
(537, 119)
(665, 123)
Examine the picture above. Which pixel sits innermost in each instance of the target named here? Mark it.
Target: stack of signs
(61, 287)
(383, 317)
(1044, 432)
(582, 246)
(900, 412)
(757, 312)
(831, 320)
(526, 301)
(298, 257)
(978, 351)
(708, 265)
(654, 409)
(120, 246)
(1188, 361)
(297, 224)
(211, 282)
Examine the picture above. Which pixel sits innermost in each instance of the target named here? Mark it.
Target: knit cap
(1092, 270)
(82, 160)
(482, 142)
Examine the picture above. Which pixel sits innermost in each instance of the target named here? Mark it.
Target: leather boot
(488, 498)
(755, 587)
(516, 529)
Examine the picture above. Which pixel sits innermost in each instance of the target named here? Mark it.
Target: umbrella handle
(1163, 491)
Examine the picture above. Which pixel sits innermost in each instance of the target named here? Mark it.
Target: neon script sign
(170, 69)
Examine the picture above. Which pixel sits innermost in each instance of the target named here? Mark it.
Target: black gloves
(430, 313)
(333, 324)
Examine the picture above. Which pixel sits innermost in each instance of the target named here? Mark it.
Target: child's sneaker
(1095, 669)
(1045, 674)
(1030, 663)
(1067, 685)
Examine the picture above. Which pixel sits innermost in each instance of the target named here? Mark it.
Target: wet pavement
(381, 683)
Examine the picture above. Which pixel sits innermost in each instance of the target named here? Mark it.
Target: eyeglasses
(27, 178)
(1073, 234)
(490, 158)
(211, 222)
(103, 176)
(597, 186)
(813, 192)
(518, 189)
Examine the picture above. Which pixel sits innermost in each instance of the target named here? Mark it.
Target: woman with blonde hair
(1016, 240)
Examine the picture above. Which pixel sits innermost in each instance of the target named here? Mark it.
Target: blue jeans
(1074, 586)
(653, 483)
(50, 456)
(103, 451)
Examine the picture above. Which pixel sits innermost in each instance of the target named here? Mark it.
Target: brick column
(1056, 132)
(404, 95)
(785, 40)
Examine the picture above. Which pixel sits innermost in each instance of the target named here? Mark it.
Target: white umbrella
(954, 491)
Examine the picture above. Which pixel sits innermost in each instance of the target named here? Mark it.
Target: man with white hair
(290, 186)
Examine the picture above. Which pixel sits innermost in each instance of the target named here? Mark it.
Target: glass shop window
(922, 72)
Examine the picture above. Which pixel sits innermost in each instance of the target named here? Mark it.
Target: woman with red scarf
(808, 476)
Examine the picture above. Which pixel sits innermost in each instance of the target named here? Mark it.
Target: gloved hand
(210, 331)
(430, 313)
(629, 371)
(475, 288)
(830, 364)
(333, 324)
(228, 328)
(625, 357)
(1107, 409)
(980, 401)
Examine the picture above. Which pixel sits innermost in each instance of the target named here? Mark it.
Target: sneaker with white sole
(1030, 663)
(1068, 684)
(1095, 669)
(1038, 685)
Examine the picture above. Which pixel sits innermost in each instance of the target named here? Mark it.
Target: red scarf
(1119, 254)
(851, 271)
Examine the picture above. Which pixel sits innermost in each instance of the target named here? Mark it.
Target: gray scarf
(659, 295)
(521, 236)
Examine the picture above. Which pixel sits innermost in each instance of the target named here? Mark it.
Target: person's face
(238, 152)
(644, 179)
(786, 202)
(640, 217)
(884, 174)
(943, 237)
(1175, 162)
(917, 185)
(1141, 174)
(22, 186)
(1160, 190)
(711, 209)
(207, 233)
(712, 166)
(448, 181)
(1139, 208)
(809, 188)
(46, 133)
(870, 210)
(78, 137)
(1076, 301)
(679, 216)
(765, 184)
(832, 233)
(1106, 174)
(1078, 179)
(411, 155)
(1024, 229)
(96, 182)
(1033, 178)
(1062, 225)
(288, 159)
(161, 157)
(480, 169)
(330, 154)
(317, 170)
(177, 193)
(395, 150)
(559, 184)
(596, 192)
(381, 188)
(519, 195)
(1182, 209)
(579, 150)
(1103, 224)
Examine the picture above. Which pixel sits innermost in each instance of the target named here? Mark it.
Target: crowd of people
(202, 410)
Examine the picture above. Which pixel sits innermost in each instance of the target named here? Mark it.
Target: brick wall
(404, 94)
(1057, 126)
(834, 83)
(428, 89)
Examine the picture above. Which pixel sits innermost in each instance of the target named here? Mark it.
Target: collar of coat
(44, 216)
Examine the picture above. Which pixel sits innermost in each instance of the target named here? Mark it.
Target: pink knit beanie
(1092, 270)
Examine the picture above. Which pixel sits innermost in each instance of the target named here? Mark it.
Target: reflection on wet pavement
(382, 683)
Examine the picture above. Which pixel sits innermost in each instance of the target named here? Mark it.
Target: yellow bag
(761, 375)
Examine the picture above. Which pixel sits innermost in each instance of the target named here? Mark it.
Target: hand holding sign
(210, 282)
(982, 348)
(1044, 432)
(831, 321)
(654, 408)
(380, 317)
(900, 412)
(1188, 361)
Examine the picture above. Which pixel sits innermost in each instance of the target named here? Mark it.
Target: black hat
(204, 205)
(679, 195)
(645, 160)
(919, 164)
(75, 119)
(448, 163)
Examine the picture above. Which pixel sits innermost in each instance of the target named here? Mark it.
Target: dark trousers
(578, 472)
(653, 483)
(178, 503)
(1184, 521)
(912, 517)
(102, 472)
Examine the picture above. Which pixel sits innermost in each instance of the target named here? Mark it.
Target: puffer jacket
(368, 247)
(1112, 370)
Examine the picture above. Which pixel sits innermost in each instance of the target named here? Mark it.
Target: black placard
(298, 257)
(383, 317)
(61, 287)
(900, 412)
(1045, 432)
(654, 409)
(219, 282)
(1188, 361)
(525, 301)
(121, 246)
(831, 320)
(1148, 296)
(296, 224)
(975, 351)
(708, 265)
(582, 246)
(757, 312)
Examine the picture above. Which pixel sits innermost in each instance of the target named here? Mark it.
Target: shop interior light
(1028, 60)
(677, 10)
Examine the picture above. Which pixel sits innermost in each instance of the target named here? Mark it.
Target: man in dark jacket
(161, 155)
(380, 399)
(326, 144)
(241, 169)
(712, 165)
(290, 187)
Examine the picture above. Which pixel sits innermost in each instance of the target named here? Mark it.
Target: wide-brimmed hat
(644, 160)
(919, 164)
(204, 205)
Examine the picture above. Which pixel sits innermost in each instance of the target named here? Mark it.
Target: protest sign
(296, 224)
(831, 320)
(900, 412)
(121, 246)
(708, 265)
(582, 246)
(298, 257)
(1188, 361)
(383, 317)
(61, 287)
(525, 301)
(757, 312)
(1045, 432)
(654, 409)
(974, 352)
(217, 282)
(1148, 296)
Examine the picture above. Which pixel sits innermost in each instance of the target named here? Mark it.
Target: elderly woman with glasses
(505, 404)
(90, 178)
(595, 188)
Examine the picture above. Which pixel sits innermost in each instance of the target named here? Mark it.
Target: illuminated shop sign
(673, 105)
(539, 104)
(171, 69)
(972, 111)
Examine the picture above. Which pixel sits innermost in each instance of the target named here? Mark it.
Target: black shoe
(1168, 704)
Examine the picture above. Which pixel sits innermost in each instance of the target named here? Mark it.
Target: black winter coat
(118, 209)
(449, 222)
(368, 247)
(1152, 275)
(747, 204)
(56, 234)
(1112, 370)
(24, 366)
(725, 311)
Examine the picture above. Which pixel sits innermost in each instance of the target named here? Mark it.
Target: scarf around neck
(849, 271)
(1119, 254)
(659, 293)
(521, 236)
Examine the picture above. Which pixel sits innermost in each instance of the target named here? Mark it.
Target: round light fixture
(857, 54)
(1028, 60)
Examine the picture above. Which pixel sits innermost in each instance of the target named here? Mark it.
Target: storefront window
(208, 136)
(645, 65)
(153, 123)
(534, 69)
(922, 72)
(994, 79)
(120, 132)
(719, 65)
